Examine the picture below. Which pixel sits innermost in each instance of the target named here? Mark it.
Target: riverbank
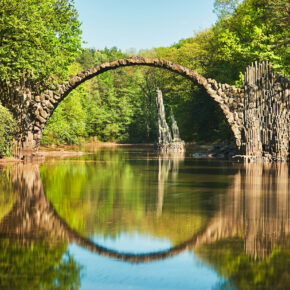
(63, 151)
(29, 155)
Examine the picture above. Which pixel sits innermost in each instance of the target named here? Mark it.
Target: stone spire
(164, 134)
(174, 128)
(168, 140)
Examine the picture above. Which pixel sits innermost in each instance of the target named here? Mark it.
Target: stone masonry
(257, 113)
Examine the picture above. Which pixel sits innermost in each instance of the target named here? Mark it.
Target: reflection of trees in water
(252, 222)
(29, 259)
(255, 208)
(31, 213)
(116, 195)
(37, 265)
(240, 271)
(7, 196)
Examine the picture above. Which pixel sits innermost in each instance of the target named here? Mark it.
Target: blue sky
(142, 24)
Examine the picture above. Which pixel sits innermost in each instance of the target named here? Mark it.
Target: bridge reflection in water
(256, 208)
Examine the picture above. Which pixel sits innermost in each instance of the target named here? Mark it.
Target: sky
(139, 24)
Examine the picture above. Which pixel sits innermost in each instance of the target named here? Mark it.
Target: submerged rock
(223, 150)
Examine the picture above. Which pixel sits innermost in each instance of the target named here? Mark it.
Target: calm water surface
(125, 218)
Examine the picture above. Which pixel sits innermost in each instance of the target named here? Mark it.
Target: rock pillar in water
(168, 140)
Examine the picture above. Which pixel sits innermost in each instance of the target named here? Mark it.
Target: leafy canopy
(120, 105)
(252, 30)
(38, 38)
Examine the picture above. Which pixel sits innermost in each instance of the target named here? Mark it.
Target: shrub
(7, 130)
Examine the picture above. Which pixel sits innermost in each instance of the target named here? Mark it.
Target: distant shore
(66, 150)
(62, 151)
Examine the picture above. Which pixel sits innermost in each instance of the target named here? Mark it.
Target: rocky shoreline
(175, 147)
(228, 151)
(223, 150)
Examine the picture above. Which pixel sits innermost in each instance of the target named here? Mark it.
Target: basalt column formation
(265, 114)
(168, 140)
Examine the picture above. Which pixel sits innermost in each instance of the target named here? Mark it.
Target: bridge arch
(220, 93)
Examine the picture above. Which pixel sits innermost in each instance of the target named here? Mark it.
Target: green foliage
(119, 110)
(38, 39)
(198, 117)
(111, 107)
(112, 192)
(7, 131)
(38, 42)
(243, 272)
(120, 105)
(256, 29)
(38, 266)
(224, 8)
(68, 123)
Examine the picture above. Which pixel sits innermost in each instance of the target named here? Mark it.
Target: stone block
(37, 99)
(40, 119)
(43, 113)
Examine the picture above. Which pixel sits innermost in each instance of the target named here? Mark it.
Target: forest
(115, 190)
(119, 106)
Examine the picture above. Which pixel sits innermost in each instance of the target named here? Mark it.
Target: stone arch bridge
(257, 113)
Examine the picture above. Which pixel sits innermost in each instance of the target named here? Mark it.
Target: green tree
(257, 29)
(225, 8)
(244, 272)
(38, 39)
(68, 123)
(7, 130)
(120, 105)
(115, 106)
(39, 265)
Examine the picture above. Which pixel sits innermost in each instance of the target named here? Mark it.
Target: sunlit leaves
(7, 130)
(37, 38)
(254, 30)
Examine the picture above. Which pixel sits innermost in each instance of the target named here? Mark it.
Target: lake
(126, 218)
